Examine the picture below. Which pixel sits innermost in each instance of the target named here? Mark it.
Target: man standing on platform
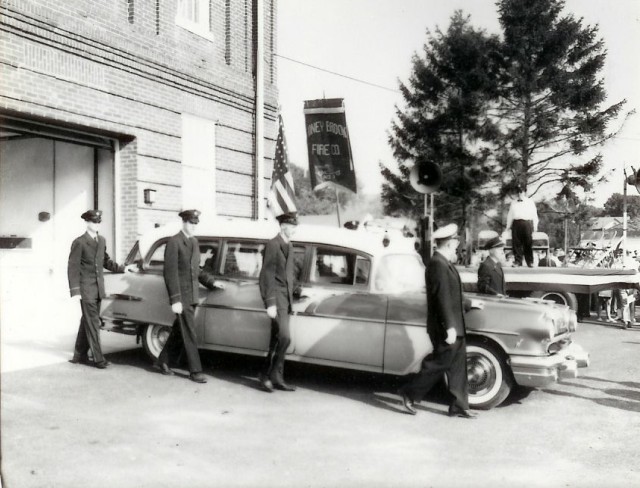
(490, 273)
(522, 220)
(181, 272)
(87, 259)
(446, 329)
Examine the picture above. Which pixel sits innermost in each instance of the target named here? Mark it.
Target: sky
(374, 40)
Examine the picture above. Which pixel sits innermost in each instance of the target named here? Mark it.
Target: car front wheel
(154, 338)
(489, 377)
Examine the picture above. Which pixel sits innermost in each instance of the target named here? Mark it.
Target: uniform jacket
(444, 299)
(491, 278)
(276, 275)
(181, 269)
(87, 260)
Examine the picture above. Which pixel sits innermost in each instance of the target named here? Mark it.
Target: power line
(338, 74)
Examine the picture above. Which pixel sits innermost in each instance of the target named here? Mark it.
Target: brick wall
(125, 67)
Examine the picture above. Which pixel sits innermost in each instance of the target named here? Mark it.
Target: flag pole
(337, 205)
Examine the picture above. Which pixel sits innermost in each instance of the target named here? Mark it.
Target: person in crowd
(462, 258)
(446, 329)
(87, 260)
(556, 257)
(604, 304)
(508, 259)
(522, 221)
(490, 273)
(276, 288)
(548, 261)
(181, 274)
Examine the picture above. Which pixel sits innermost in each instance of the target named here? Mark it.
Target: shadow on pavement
(630, 406)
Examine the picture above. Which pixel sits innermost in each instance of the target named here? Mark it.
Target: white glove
(219, 285)
(451, 336)
(272, 312)
(76, 297)
(177, 307)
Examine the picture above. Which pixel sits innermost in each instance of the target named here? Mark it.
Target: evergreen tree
(445, 121)
(551, 96)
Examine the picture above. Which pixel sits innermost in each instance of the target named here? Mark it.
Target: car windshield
(399, 273)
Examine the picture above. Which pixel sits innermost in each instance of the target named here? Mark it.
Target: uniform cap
(288, 218)
(449, 231)
(493, 243)
(191, 215)
(92, 216)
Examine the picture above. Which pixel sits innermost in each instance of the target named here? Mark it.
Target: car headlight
(573, 321)
(549, 325)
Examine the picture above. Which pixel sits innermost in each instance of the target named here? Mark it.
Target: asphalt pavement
(66, 425)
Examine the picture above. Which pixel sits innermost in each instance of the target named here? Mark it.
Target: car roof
(360, 240)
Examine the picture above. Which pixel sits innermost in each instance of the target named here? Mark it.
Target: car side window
(209, 256)
(156, 261)
(332, 266)
(298, 262)
(243, 259)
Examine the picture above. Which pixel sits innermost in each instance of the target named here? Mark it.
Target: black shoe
(197, 377)
(77, 360)
(460, 412)
(266, 383)
(163, 368)
(281, 385)
(407, 403)
(103, 364)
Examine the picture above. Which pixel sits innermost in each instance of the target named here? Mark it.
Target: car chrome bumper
(538, 372)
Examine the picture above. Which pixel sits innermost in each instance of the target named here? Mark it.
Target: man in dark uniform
(181, 273)
(490, 273)
(446, 329)
(87, 259)
(276, 288)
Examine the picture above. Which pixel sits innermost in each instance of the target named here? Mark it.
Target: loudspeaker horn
(426, 177)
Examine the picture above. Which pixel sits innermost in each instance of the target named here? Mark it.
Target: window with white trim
(193, 15)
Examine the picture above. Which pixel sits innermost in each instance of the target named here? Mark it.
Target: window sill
(194, 28)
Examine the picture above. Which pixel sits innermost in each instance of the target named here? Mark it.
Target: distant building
(606, 232)
(138, 107)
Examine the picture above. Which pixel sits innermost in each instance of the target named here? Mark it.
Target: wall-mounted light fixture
(149, 196)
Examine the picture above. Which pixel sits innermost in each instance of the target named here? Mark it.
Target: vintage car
(358, 305)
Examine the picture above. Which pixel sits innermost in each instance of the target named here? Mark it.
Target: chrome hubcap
(481, 374)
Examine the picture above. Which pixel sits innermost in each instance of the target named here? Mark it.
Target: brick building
(138, 107)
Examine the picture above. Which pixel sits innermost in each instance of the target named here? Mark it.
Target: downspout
(259, 183)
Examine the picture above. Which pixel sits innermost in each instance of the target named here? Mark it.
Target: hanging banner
(328, 146)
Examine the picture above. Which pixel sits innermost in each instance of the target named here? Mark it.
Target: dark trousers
(522, 240)
(448, 359)
(89, 332)
(183, 338)
(280, 339)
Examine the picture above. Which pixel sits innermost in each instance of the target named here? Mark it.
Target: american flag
(282, 195)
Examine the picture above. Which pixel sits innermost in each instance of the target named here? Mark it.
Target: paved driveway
(68, 426)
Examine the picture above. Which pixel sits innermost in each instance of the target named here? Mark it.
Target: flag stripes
(282, 195)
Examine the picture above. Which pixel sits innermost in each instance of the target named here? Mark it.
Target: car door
(336, 319)
(236, 317)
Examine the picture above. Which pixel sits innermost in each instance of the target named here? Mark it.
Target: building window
(227, 31)
(130, 11)
(199, 164)
(194, 15)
